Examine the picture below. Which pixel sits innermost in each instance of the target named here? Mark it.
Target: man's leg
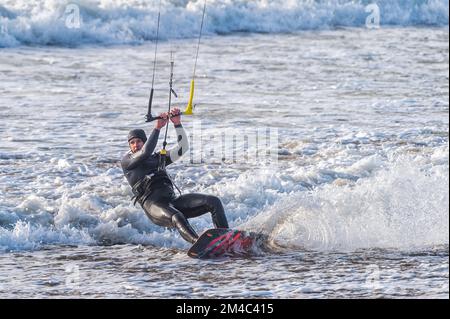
(195, 205)
(166, 215)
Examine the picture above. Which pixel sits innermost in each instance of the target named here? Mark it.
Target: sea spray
(75, 23)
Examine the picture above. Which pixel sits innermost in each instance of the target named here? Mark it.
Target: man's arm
(182, 147)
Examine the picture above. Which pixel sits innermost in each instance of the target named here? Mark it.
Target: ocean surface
(354, 198)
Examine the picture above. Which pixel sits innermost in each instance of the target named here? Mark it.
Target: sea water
(355, 202)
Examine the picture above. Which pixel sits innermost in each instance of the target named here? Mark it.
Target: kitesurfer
(154, 190)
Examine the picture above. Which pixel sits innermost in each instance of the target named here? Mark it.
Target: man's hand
(175, 116)
(163, 121)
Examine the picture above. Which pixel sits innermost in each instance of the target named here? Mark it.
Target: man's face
(136, 144)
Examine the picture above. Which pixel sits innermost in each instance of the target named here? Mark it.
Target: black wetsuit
(154, 190)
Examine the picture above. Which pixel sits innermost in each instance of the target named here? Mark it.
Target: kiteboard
(220, 242)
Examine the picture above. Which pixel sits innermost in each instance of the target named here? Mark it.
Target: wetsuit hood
(138, 133)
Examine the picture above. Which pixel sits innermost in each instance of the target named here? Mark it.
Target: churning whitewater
(44, 22)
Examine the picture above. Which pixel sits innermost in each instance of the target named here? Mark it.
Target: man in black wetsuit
(153, 188)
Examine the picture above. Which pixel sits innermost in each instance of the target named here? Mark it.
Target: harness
(146, 186)
(143, 189)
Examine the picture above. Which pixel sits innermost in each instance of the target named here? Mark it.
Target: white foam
(24, 236)
(44, 22)
(85, 220)
(395, 202)
(34, 204)
(401, 206)
(366, 166)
